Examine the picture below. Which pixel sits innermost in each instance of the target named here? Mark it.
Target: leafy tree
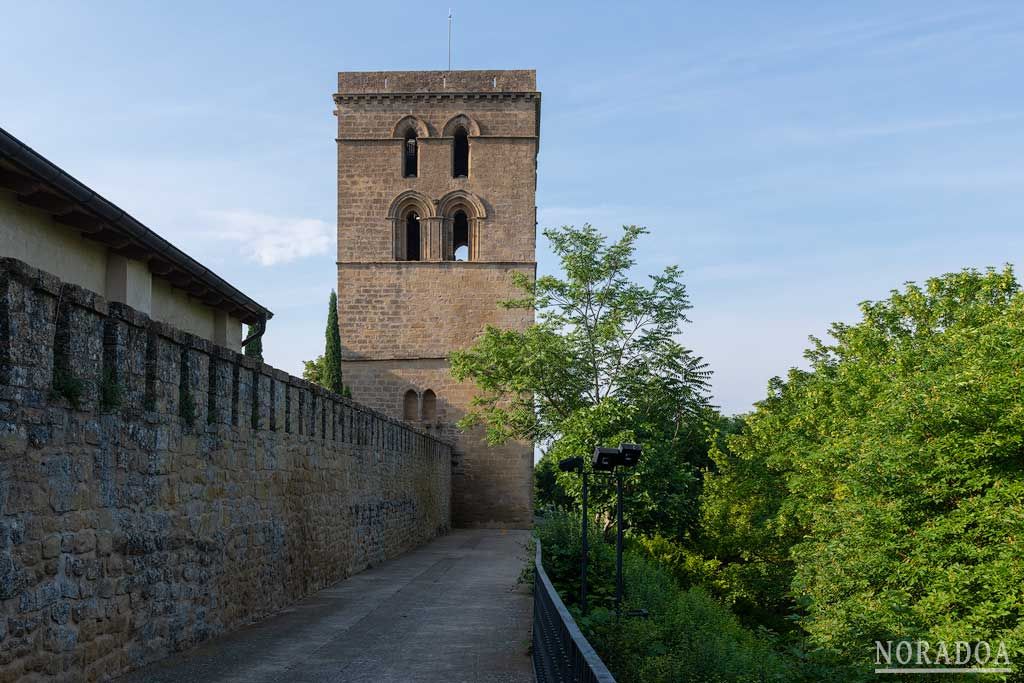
(600, 366)
(743, 525)
(886, 481)
(315, 371)
(254, 349)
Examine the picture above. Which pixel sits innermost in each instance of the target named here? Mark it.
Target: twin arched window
(445, 229)
(413, 411)
(410, 151)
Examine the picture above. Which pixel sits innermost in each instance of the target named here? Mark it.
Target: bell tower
(437, 177)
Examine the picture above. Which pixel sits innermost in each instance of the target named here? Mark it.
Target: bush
(560, 535)
(688, 635)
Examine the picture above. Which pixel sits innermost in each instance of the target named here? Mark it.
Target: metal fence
(560, 652)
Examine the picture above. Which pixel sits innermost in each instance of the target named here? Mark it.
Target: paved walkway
(450, 611)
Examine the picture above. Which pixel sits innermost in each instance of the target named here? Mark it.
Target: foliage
(742, 526)
(600, 366)
(561, 542)
(883, 487)
(548, 493)
(332, 350)
(66, 385)
(253, 349)
(315, 371)
(111, 391)
(186, 406)
(687, 637)
(326, 369)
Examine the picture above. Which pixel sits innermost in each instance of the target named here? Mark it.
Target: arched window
(460, 154)
(409, 406)
(410, 162)
(429, 406)
(412, 236)
(460, 236)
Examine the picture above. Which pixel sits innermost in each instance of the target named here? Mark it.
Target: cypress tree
(254, 349)
(332, 352)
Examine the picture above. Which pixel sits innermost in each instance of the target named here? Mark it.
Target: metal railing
(560, 652)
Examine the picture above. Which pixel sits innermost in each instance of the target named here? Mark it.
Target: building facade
(53, 222)
(437, 174)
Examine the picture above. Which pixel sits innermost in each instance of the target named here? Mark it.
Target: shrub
(688, 636)
(560, 535)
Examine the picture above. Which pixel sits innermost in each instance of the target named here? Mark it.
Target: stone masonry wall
(492, 486)
(156, 490)
(424, 309)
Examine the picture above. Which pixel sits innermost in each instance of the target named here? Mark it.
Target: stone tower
(437, 176)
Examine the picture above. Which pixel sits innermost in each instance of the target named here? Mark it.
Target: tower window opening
(460, 154)
(460, 236)
(412, 237)
(429, 406)
(410, 151)
(409, 406)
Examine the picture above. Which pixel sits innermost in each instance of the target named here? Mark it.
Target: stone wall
(492, 486)
(156, 490)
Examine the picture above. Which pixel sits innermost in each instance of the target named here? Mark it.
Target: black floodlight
(630, 454)
(605, 459)
(571, 465)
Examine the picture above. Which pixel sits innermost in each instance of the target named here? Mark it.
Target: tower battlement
(385, 82)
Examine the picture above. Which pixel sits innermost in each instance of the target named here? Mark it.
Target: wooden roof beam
(17, 182)
(47, 201)
(81, 221)
(180, 279)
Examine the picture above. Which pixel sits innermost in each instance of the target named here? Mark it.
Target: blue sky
(794, 158)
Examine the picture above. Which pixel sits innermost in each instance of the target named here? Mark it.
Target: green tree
(601, 365)
(887, 479)
(254, 349)
(315, 371)
(325, 370)
(332, 351)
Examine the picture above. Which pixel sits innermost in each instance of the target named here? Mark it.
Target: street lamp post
(616, 460)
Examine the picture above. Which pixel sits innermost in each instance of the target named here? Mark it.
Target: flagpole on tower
(449, 39)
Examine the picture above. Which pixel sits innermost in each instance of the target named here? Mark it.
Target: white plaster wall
(33, 237)
(129, 282)
(234, 341)
(175, 307)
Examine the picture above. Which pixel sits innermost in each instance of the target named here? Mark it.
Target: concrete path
(450, 611)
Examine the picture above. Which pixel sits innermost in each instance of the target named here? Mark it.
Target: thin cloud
(270, 240)
(892, 128)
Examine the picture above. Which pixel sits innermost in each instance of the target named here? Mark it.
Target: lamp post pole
(616, 461)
